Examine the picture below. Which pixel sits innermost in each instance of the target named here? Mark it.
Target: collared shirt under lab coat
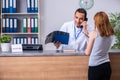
(78, 43)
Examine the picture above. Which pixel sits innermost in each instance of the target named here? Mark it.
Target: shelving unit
(0, 17)
(29, 34)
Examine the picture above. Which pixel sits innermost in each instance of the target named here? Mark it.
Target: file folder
(60, 36)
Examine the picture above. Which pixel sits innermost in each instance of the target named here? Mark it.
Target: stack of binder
(25, 40)
(9, 6)
(30, 25)
(10, 25)
(32, 6)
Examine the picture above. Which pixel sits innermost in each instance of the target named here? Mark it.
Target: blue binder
(14, 40)
(29, 6)
(3, 25)
(14, 6)
(18, 40)
(4, 6)
(11, 24)
(7, 6)
(25, 40)
(32, 6)
(32, 25)
(36, 6)
(60, 36)
(35, 40)
(7, 25)
(10, 6)
(15, 27)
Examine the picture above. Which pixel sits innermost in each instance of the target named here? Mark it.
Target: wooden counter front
(51, 67)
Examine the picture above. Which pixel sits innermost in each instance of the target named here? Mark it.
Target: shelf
(20, 13)
(21, 21)
(20, 33)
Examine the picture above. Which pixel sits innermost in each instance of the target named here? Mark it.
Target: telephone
(84, 20)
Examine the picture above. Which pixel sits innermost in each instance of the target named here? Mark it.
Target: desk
(50, 66)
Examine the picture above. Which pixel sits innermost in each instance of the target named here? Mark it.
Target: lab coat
(77, 38)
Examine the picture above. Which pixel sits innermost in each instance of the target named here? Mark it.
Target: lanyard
(76, 36)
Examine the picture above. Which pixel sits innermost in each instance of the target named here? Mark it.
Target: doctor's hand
(57, 44)
(84, 24)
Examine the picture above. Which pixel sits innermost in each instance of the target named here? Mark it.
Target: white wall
(55, 12)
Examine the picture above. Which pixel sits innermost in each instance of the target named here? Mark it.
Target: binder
(36, 25)
(25, 40)
(4, 6)
(29, 40)
(18, 40)
(32, 6)
(36, 6)
(7, 6)
(11, 25)
(14, 6)
(10, 6)
(32, 40)
(60, 36)
(15, 27)
(3, 27)
(28, 6)
(32, 25)
(21, 40)
(14, 40)
(7, 25)
(36, 40)
(24, 25)
(28, 25)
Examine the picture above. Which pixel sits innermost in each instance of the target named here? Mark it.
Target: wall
(55, 12)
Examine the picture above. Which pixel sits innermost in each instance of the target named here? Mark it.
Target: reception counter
(50, 65)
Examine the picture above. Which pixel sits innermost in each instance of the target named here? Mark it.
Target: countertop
(47, 53)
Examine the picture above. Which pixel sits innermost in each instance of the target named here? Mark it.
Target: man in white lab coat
(77, 30)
